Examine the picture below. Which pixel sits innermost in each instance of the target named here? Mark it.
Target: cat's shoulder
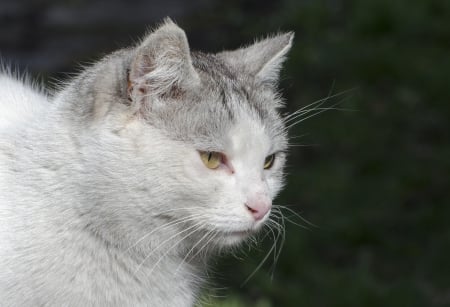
(20, 99)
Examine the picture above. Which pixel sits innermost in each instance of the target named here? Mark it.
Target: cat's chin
(233, 238)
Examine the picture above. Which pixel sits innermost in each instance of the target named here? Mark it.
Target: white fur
(18, 101)
(100, 206)
(48, 257)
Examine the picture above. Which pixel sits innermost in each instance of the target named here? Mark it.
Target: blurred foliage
(376, 179)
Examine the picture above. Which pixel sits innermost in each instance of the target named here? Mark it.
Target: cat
(117, 189)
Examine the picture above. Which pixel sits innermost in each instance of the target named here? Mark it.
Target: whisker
(260, 264)
(318, 109)
(297, 215)
(279, 228)
(213, 236)
(268, 229)
(176, 209)
(283, 239)
(302, 145)
(193, 247)
(163, 243)
(198, 226)
(318, 103)
(299, 136)
(172, 223)
(312, 115)
(270, 222)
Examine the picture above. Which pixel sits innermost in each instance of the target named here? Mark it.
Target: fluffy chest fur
(118, 190)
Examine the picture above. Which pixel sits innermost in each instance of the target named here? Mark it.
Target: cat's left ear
(162, 64)
(263, 59)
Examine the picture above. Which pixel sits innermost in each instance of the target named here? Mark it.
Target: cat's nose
(259, 206)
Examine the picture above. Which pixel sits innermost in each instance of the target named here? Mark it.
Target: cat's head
(208, 128)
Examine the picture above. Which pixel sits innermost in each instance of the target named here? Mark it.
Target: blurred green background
(374, 177)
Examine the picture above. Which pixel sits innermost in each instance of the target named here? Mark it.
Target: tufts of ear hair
(263, 59)
(162, 65)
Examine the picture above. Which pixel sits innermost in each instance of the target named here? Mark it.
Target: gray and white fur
(104, 198)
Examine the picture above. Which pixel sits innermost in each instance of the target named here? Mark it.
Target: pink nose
(259, 207)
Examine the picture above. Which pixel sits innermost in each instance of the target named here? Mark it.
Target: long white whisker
(170, 224)
(312, 115)
(283, 239)
(212, 237)
(278, 214)
(197, 226)
(176, 209)
(297, 215)
(299, 136)
(271, 231)
(317, 109)
(260, 265)
(302, 145)
(318, 103)
(192, 249)
(164, 242)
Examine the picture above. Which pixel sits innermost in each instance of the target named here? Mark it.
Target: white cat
(117, 191)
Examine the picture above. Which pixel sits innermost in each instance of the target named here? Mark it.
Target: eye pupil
(268, 162)
(211, 159)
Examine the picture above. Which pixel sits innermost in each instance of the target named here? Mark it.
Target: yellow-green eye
(268, 162)
(211, 159)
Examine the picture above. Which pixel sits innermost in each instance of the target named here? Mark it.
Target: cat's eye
(211, 159)
(268, 162)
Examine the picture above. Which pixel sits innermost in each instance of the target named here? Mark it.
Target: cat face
(221, 186)
(240, 189)
(233, 157)
(212, 121)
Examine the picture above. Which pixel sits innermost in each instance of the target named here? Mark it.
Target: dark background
(375, 178)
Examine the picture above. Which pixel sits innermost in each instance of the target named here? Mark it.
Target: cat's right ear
(162, 65)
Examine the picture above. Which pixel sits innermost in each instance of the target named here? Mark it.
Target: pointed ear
(162, 64)
(263, 59)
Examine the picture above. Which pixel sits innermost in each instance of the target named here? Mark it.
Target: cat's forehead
(213, 66)
(228, 103)
(236, 90)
